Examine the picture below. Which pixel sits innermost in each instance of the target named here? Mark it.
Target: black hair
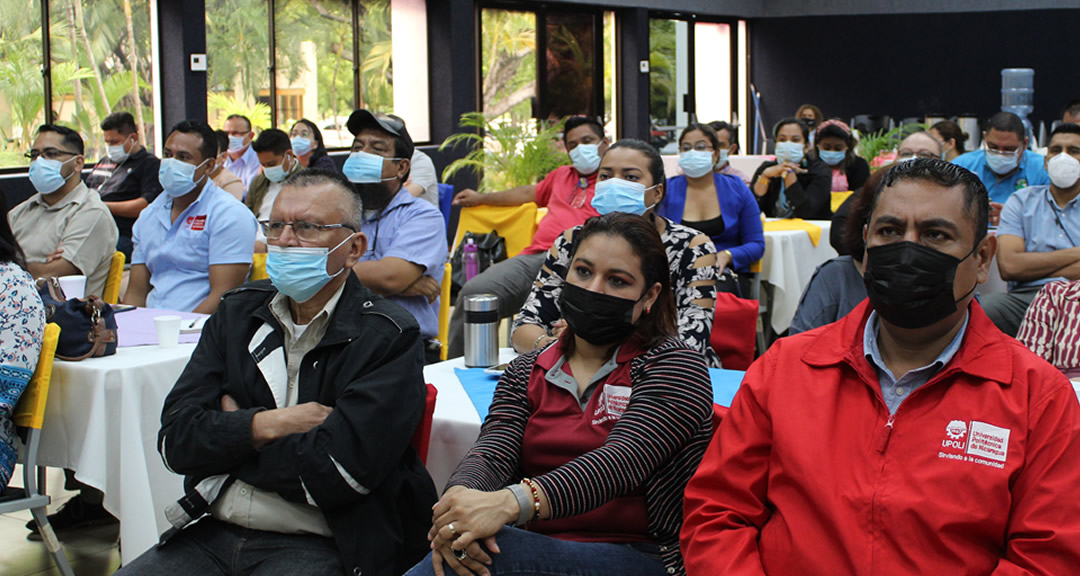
(1072, 108)
(209, 146)
(950, 130)
(661, 321)
(942, 173)
(577, 121)
(656, 163)
(319, 150)
(69, 137)
(222, 140)
(1007, 122)
(272, 140)
(705, 129)
(733, 133)
(834, 131)
(240, 117)
(10, 251)
(122, 122)
(1065, 128)
(792, 120)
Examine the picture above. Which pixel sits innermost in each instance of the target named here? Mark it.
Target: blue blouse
(738, 207)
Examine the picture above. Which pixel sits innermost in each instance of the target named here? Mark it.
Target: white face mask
(1064, 170)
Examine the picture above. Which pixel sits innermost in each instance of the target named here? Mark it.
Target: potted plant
(506, 154)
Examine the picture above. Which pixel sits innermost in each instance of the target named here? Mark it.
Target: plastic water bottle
(471, 258)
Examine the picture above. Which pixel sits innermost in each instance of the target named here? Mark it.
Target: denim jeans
(531, 554)
(211, 547)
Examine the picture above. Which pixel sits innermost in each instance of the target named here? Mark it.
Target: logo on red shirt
(197, 222)
(977, 442)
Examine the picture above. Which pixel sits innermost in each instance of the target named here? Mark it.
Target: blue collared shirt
(246, 167)
(1030, 214)
(1032, 172)
(215, 229)
(413, 230)
(895, 391)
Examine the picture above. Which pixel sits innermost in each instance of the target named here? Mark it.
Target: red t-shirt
(568, 198)
(559, 431)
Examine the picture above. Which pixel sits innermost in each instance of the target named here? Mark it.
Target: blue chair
(446, 194)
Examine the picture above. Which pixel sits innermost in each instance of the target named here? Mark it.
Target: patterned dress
(692, 262)
(22, 327)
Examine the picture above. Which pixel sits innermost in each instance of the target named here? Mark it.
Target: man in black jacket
(293, 419)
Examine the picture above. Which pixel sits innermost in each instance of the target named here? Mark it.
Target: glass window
(570, 57)
(669, 76)
(22, 90)
(237, 58)
(611, 70)
(508, 63)
(712, 71)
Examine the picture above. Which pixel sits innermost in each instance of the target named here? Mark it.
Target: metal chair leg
(48, 536)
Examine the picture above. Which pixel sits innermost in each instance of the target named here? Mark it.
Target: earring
(648, 309)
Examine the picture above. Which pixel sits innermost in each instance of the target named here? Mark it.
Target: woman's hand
(475, 515)
(775, 171)
(791, 167)
(476, 560)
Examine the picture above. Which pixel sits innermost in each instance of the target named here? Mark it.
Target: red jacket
(978, 471)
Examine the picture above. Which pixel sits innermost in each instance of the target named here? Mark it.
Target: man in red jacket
(910, 437)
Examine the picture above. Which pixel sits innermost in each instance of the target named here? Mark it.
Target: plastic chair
(444, 311)
(446, 195)
(421, 439)
(516, 224)
(838, 199)
(112, 281)
(258, 267)
(30, 415)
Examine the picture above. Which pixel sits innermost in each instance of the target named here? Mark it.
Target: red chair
(734, 330)
(422, 437)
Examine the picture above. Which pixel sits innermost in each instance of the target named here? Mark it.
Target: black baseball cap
(361, 119)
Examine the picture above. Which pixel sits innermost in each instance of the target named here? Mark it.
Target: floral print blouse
(22, 327)
(692, 261)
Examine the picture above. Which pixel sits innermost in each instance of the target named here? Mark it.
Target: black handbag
(728, 282)
(490, 248)
(87, 325)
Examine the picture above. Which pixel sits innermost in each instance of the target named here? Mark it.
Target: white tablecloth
(102, 420)
(789, 263)
(456, 424)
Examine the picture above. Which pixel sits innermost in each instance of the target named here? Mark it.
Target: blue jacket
(742, 218)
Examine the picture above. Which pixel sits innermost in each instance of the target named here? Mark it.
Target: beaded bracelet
(536, 497)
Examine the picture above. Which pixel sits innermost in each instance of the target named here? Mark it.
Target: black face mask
(910, 285)
(374, 195)
(598, 318)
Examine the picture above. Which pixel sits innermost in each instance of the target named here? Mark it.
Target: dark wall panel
(911, 65)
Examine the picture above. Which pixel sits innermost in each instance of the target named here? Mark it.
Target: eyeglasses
(48, 153)
(905, 154)
(1000, 151)
(699, 147)
(306, 231)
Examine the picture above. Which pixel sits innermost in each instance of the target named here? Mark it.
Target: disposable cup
(168, 330)
(73, 286)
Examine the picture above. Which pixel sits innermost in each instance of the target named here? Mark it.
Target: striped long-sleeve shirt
(657, 443)
(1051, 326)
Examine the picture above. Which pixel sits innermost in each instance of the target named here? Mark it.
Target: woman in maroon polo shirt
(590, 441)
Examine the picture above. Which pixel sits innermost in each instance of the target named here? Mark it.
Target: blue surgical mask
(300, 145)
(723, 159)
(178, 177)
(365, 168)
(831, 157)
(1002, 164)
(236, 143)
(618, 195)
(117, 153)
(45, 174)
(696, 163)
(586, 158)
(300, 272)
(789, 152)
(276, 173)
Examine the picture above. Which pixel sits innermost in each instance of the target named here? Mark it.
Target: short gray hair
(354, 212)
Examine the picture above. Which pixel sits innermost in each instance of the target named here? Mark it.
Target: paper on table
(136, 327)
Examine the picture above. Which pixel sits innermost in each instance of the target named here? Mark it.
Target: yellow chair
(838, 199)
(112, 281)
(444, 311)
(30, 414)
(516, 224)
(258, 267)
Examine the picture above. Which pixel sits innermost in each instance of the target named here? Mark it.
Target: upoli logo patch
(956, 429)
(977, 442)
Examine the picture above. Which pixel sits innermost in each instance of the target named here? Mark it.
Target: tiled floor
(91, 552)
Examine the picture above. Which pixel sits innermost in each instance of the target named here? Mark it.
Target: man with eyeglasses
(406, 235)
(195, 242)
(241, 159)
(292, 420)
(1003, 164)
(1039, 233)
(65, 229)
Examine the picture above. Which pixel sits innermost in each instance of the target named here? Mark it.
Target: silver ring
(461, 555)
(453, 532)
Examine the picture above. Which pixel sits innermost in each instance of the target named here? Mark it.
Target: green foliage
(508, 62)
(506, 154)
(872, 145)
(662, 71)
(221, 106)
